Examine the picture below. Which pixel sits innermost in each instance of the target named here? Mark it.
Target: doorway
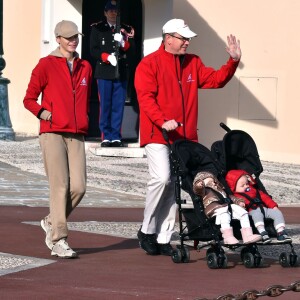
(131, 13)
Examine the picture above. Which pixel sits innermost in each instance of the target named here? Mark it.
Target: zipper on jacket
(74, 97)
(152, 131)
(179, 76)
(73, 89)
(51, 115)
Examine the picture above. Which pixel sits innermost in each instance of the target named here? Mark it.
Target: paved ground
(111, 265)
(129, 175)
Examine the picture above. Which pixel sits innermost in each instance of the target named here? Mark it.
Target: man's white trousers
(160, 205)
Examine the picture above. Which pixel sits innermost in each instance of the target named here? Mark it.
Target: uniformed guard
(109, 48)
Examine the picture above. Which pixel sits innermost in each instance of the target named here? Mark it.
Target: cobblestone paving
(31, 189)
(113, 182)
(130, 175)
(10, 263)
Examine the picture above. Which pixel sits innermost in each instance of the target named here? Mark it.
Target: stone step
(130, 150)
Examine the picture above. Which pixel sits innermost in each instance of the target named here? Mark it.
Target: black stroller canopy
(240, 152)
(190, 158)
(194, 157)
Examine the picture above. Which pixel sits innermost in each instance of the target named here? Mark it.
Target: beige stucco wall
(155, 14)
(21, 43)
(26, 26)
(262, 98)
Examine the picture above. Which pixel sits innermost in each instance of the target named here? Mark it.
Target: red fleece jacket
(167, 89)
(65, 95)
(234, 175)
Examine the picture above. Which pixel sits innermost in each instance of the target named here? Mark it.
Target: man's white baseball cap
(179, 26)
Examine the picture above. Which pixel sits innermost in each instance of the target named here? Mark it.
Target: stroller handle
(225, 127)
(165, 135)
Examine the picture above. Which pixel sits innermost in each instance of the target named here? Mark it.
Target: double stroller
(237, 150)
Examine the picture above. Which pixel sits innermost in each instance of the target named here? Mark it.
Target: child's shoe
(265, 237)
(228, 237)
(283, 237)
(248, 236)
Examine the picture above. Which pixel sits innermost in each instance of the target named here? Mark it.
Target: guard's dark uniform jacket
(102, 41)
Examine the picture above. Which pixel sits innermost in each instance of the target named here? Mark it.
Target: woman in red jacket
(64, 81)
(167, 83)
(259, 204)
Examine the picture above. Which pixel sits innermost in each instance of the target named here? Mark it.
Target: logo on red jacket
(190, 78)
(83, 82)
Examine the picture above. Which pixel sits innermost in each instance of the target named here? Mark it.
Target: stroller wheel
(294, 260)
(212, 260)
(222, 261)
(258, 261)
(248, 260)
(185, 254)
(243, 252)
(215, 261)
(176, 256)
(216, 258)
(284, 260)
(251, 257)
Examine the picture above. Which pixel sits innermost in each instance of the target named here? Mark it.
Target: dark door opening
(131, 13)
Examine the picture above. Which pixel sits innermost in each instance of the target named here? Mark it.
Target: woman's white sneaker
(47, 228)
(63, 250)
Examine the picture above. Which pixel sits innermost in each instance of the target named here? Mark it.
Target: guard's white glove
(119, 38)
(112, 59)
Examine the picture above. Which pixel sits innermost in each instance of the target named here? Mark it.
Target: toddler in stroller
(238, 151)
(259, 204)
(223, 207)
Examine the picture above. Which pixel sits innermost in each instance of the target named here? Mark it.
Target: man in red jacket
(64, 80)
(167, 83)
